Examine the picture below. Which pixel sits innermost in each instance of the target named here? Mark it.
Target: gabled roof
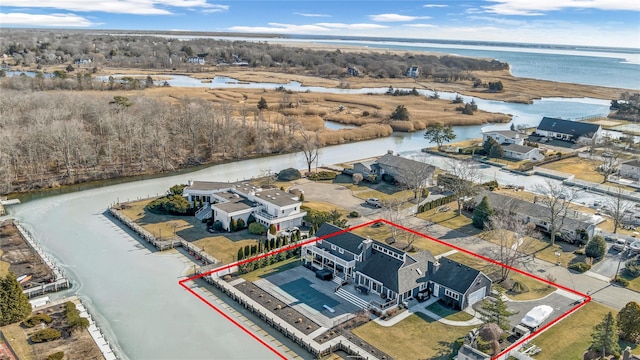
(383, 268)
(575, 128)
(347, 240)
(454, 275)
(506, 133)
(522, 149)
(634, 162)
(524, 208)
(400, 163)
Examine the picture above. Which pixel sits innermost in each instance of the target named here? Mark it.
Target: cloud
(137, 7)
(419, 25)
(435, 5)
(306, 28)
(65, 20)
(498, 20)
(396, 17)
(311, 15)
(539, 7)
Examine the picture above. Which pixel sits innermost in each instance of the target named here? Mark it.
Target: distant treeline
(53, 47)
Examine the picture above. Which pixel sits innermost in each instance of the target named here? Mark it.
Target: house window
(341, 251)
(374, 286)
(333, 247)
(451, 294)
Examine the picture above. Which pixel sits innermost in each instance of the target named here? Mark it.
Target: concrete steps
(352, 298)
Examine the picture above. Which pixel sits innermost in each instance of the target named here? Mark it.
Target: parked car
(620, 244)
(634, 248)
(374, 202)
(534, 318)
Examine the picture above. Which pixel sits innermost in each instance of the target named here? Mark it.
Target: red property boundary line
(580, 303)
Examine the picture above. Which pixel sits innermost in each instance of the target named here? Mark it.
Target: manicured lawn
(414, 337)
(451, 219)
(634, 283)
(383, 232)
(582, 168)
(540, 248)
(188, 227)
(223, 248)
(537, 289)
(447, 313)
(4, 267)
(324, 206)
(272, 269)
(572, 336)
(18, 341)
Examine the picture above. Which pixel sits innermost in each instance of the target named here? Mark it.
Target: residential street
(590, 283)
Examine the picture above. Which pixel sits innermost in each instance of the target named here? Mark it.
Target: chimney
(189, 182)
(390, 152)
(367, 245)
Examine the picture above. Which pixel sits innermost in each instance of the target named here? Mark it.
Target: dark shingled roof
(347, 240)
(634, 162)
(454, 275)
(400, 163)
(575, 128)
(383, 268)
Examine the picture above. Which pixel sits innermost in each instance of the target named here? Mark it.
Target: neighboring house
(229, 201)
(522, 152)
(364, 168)
(413, 71)
(352, 71)
(195, 60)
(82, 61)
(396, 166)
(568, 130)
(573, 227)
(630, 169)
(375, 267)
(504, 137)
(467, 352)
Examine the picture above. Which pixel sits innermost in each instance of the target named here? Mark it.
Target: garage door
(476, 296)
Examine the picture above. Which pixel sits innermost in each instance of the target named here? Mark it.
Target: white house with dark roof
(227, 201)
(375, 267)
(567, 130)
(522, 152)
(630, 169)
(504, 137)
(413, 71)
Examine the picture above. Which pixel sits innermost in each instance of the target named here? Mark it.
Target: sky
(614, 23)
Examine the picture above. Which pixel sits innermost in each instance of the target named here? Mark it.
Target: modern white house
(413, 71)
(630, 169)
(195, 60)
(568, 130)
(396, 276)
(227, 201)
(522, 152)
(504, 137)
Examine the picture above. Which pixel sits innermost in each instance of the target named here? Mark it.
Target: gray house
(375, 267)
(398, 167)
(630, 169)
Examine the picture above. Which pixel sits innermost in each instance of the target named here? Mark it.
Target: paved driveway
(560, 304)
(340, 196)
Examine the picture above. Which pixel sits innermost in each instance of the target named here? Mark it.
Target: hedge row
(436, 203)
(37, 319)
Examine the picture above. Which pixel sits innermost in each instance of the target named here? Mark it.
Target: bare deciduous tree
(310, 146)
(465, 180)
(617, 207)
(556, 197)
(515, 237)
(415, 176)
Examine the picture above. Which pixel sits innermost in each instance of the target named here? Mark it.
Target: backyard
(417, 334)
(447, 215)
(571, 337)
(383, 232)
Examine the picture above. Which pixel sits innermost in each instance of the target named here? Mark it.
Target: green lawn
(272, 269)
(447, 313)
(474, 262)
(634, 283)
(451, 219)
(537, 289)
(18, 341)
(417, 336)
(571, 337)
(541, 248)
